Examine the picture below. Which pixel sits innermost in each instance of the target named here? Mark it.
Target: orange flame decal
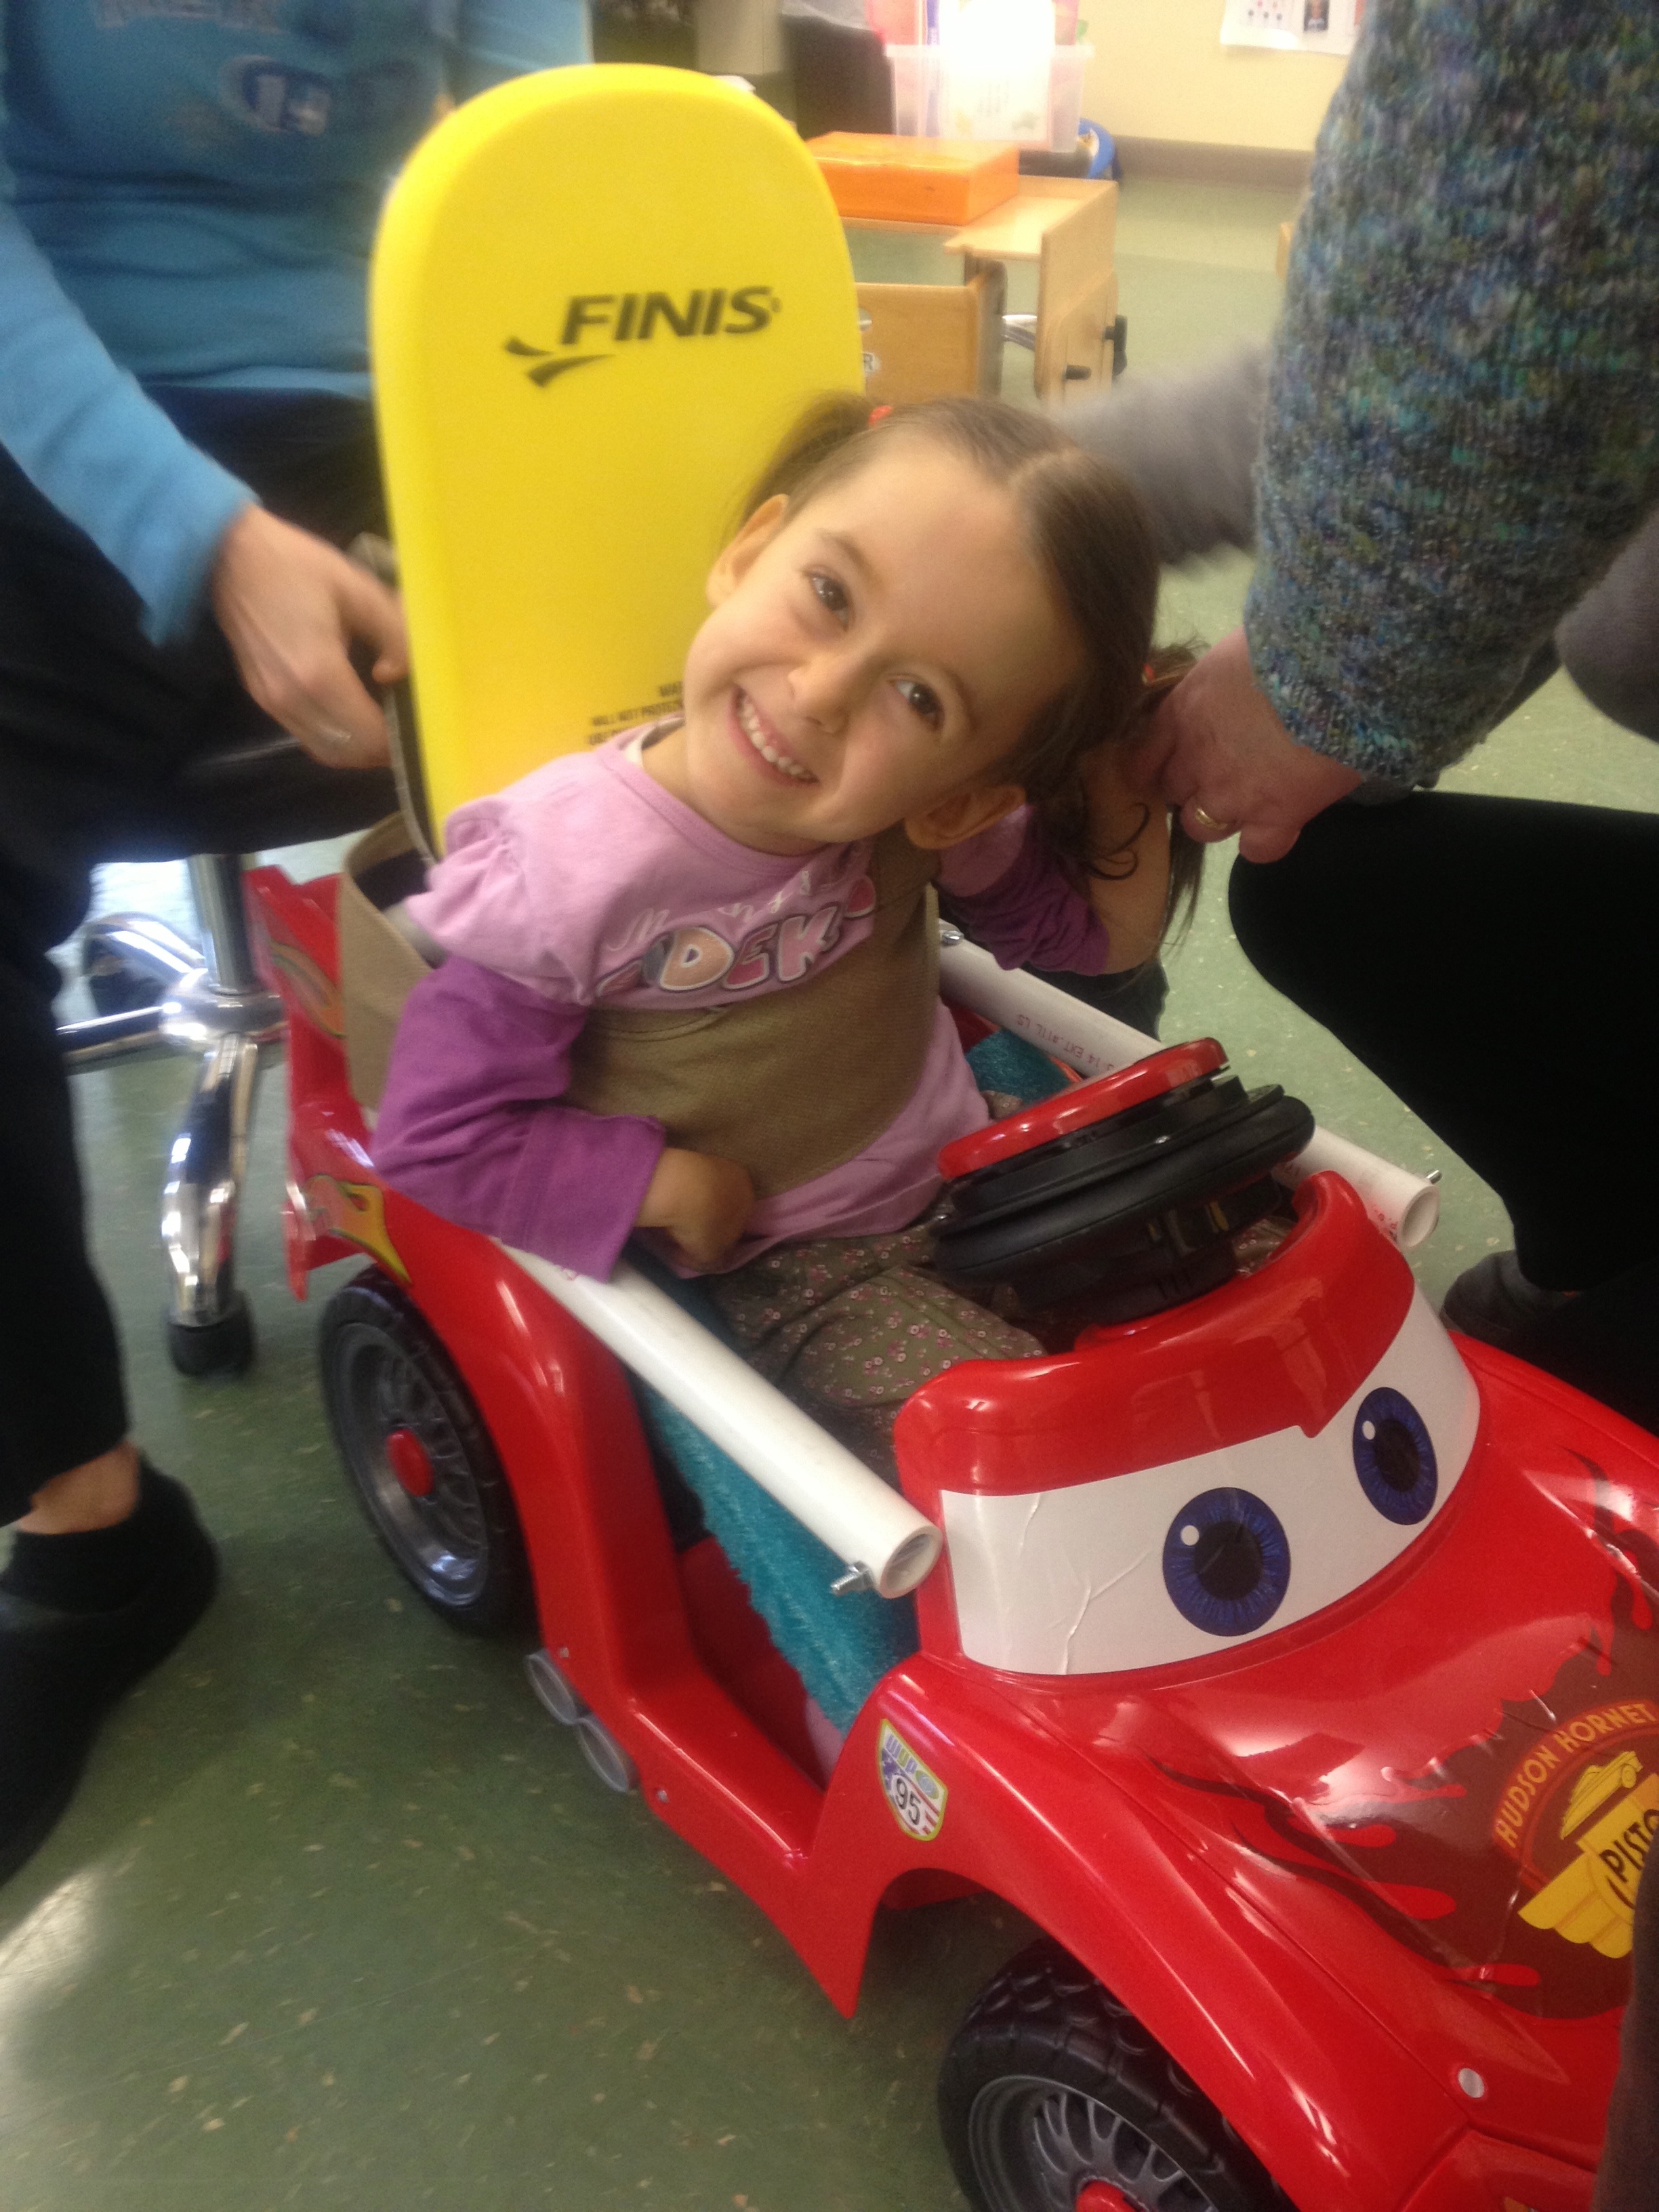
(356, 1212)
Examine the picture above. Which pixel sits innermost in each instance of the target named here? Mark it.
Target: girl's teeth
(769, 753)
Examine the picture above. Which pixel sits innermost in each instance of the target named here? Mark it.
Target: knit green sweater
(1463, 421)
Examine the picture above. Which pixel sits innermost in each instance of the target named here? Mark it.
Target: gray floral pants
(848, 1327)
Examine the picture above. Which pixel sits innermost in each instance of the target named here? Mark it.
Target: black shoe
(61, 1670)
(1494, 1301)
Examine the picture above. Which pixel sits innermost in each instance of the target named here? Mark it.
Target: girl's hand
(292, 607)
(1128, 821)
(702, 1201)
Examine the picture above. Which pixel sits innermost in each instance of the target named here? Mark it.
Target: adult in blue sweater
(190, 189)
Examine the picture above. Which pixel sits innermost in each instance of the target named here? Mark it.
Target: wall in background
(1160, 71)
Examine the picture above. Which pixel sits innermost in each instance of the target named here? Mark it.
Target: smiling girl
(690, 985)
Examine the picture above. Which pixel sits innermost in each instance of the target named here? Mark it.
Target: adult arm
(1187, 443)
(470, 1124)
(173, 522)
(1462, 422)
(104, 454)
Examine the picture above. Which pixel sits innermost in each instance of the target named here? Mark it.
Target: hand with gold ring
(1203, 825)
(1216, 733)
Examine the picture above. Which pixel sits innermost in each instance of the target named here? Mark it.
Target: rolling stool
(154, 990)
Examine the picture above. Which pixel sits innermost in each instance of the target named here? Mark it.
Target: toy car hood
(1434, 1765)
(1444, 1787)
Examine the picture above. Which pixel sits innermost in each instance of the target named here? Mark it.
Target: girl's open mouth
(767, 742)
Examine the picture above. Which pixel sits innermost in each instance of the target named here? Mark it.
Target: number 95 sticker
(914, 1790)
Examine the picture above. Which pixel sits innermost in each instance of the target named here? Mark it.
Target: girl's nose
(824, 688)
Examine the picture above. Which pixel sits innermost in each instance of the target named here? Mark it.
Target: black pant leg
(101, 738)
(61, 1396)
(1629, 2177)
(1138, 996)
(1496, 962)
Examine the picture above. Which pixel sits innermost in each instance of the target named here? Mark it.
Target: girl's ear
(963, 814)
(740, 555)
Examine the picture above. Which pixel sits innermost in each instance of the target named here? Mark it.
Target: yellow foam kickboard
(599, 297)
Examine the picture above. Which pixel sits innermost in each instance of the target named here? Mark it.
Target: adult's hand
(1217, 751)
(292, 607)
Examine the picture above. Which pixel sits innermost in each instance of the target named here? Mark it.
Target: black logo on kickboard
(635, 318)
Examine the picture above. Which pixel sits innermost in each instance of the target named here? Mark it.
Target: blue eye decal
(1226, 1562)
(1393, 1457)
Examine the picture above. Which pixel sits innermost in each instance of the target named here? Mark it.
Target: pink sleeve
(470, 1125)
(1008, 892)
(481, 900)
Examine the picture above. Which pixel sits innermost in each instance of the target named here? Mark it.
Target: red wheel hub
(1100, 2197)
(406, 1457)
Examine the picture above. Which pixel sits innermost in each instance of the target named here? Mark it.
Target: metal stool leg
(222, 1011)
(131, 961)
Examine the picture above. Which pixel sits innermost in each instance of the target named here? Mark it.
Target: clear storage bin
(918, 83)
(1065, 96)
(928, 103)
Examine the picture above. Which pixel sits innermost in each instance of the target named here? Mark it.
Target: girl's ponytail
(1060, 796)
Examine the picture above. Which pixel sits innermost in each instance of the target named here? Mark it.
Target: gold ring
(1205, 820)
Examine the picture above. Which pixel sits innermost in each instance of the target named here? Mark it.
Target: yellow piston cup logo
(356, 1212)
(1593, 1899)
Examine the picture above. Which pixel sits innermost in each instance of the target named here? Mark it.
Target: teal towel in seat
(1006, 1062)
(841, 1647)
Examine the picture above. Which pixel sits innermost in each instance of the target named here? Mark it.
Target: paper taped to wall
(1293, 27)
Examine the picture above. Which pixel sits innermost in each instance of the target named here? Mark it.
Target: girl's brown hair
(1090, 536)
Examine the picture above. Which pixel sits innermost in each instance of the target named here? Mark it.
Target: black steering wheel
(1127, 1190)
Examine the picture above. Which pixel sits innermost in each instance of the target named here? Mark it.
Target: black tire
(1050, 2084)
(383, 1371)
(117, 988)
(224, 1346)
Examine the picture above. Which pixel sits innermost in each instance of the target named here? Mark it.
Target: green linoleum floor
(339, 1917)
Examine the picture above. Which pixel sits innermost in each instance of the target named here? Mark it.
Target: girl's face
(869, 659)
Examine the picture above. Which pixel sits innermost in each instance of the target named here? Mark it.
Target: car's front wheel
(419, 1456)
(1052, 2098)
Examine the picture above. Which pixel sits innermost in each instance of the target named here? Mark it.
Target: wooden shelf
(1015, 230)
(1068, 227)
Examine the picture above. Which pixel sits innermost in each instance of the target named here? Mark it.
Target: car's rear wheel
(1052, 2098)
(419, 1456)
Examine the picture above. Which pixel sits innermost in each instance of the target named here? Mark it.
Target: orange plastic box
(884, 179)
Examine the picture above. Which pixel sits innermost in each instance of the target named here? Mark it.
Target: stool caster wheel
(114, 989)
(215, 1347)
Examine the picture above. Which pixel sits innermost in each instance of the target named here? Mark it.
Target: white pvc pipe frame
(882, 1538)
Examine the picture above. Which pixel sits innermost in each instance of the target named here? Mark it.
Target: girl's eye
(830, 594)
(922, 702)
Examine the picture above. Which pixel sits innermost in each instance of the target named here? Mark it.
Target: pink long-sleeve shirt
(588, 883)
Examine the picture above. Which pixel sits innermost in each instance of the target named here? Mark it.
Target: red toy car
(1293, 1667)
